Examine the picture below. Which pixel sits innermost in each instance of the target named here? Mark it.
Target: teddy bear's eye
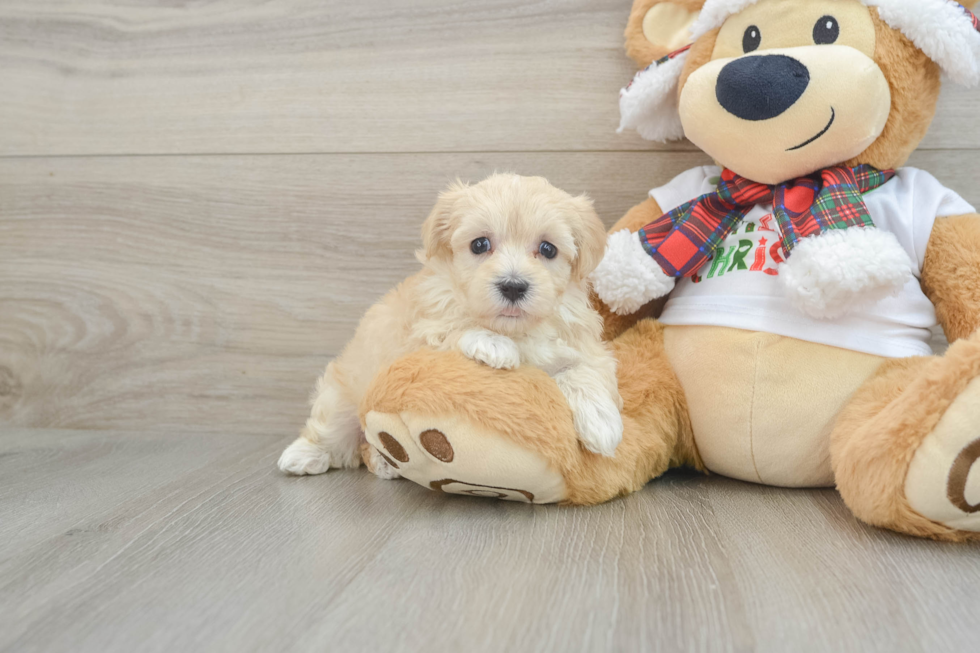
(826, 31)
(752, 39)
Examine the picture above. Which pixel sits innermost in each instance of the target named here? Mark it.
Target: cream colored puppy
(503, 281)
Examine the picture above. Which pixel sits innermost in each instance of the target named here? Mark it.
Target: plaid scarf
(973, 18)
(683, 239)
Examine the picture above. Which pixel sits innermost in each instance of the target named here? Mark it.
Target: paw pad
(943, 479)
(452, 486)
(458, 457)
(959, 474)
(393, 447)
(436, 443)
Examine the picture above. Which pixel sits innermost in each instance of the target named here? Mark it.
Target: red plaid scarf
(973, 18)
(683, 239)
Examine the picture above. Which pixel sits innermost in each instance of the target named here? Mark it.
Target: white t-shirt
(738, 288)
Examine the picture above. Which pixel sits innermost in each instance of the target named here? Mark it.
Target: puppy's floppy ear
(437, 230)
(590, 237)
(658, 27)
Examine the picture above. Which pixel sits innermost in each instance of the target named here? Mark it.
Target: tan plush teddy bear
(804, 273)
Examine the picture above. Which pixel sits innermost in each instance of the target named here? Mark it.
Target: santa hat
(947, 32)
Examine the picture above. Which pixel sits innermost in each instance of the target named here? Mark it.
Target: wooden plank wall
(199, 199)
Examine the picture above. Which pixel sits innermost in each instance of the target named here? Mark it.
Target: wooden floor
(198, 200)
(128, 541)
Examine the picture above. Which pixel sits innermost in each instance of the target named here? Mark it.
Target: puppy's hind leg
(331, 437)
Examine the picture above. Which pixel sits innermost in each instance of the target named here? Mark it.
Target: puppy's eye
(547, 250)
(480, 246)
(826, 31)
(752, 39)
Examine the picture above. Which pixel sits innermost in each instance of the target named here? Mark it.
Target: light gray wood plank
(802, 552)
(646, 574)
(121, 77)
(209, 292)
(232, 556)
(190, 291)
(96, 473)
(210, 558)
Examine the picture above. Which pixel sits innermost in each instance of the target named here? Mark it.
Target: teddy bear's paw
(628, 278)
(843, 270)
(460, 457)
(943, 481)
(303, 458)
(493, 349)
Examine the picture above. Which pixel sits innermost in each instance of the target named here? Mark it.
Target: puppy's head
(514, 246)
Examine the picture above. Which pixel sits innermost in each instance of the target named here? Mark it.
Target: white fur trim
(649, 103)
(841, 270)
(939, 28)
(714, 13)
(628, 278)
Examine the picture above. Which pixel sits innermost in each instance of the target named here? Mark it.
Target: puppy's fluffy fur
(506, 306)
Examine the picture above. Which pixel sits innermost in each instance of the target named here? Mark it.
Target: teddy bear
(793, 360)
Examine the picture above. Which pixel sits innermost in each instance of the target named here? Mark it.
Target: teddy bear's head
(778, 89)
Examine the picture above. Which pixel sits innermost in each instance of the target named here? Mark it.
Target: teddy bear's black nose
(761, 87)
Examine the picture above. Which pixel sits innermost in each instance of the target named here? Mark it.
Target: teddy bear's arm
(951, 274)
(637, 217)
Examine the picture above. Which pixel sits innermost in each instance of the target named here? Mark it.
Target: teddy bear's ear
(658, 27)
(658, 36)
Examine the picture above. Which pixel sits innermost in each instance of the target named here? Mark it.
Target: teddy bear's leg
(906, 450)
(454, 425)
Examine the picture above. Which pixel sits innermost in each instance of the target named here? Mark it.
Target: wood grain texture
(250, 76)
(154, 292)
(198, 200)
(212, 549)
(209, 291)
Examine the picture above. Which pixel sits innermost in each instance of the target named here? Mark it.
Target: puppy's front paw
(599, 425)
(303, 457)
(492, 349)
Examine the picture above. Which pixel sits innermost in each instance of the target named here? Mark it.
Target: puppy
(503, 281)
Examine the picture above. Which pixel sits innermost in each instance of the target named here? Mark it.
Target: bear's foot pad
(943, 481)
(458, 457)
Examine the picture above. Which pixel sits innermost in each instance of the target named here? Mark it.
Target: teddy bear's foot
(943, 482)
(905, 450)
(842, 270)
(458, 426)
(454, 456)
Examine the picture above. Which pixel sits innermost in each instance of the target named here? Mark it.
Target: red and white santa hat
(944, 30)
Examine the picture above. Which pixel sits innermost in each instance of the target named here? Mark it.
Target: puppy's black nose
(761, 87)
(513, 291)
